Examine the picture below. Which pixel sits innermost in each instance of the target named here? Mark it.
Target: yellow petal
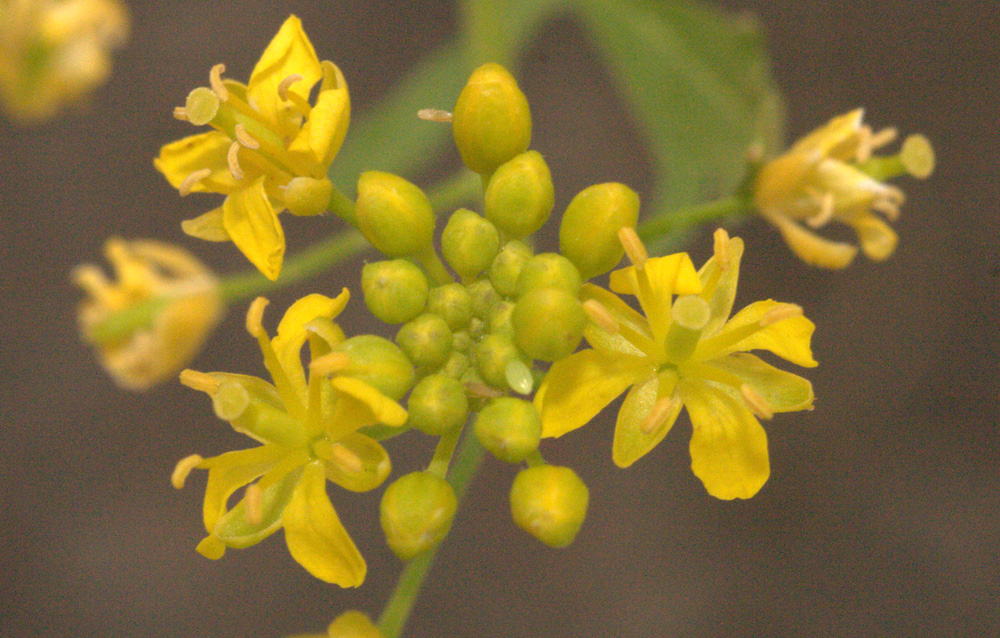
(722, 293)
(783, 391)
(315, 536)
(289, 53)
(788, 338)
(728, 445)
(669, 275)
(208, 226)
(622, 313)
(578, 387)
(811, 248)
(361, 405)
(237, 530)
(208, 150)
(230, 471)
(632, 442)
(357, 463)
(324, 131)
(252, 223)
(292, 333)
(878, 240)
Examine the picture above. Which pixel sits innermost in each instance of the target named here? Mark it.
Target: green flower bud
(393, 214)
(456, 366)
(483, 295)
(548, 323)
(426, 340)
(588, 234)
(438, 404)
(549, 503)
(549, 270)
(453, 303)
(509, 428)
(506, 268)
(395, 291)
(498, 321)
(378, 362)
(308, 196)
(353, 624)
(469, 243)
(492, 120)
(416, 513)
(490, 357)
(519, 196)
(462, 341)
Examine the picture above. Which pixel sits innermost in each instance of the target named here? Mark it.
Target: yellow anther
(757, 404)
(180, 113)
(232, 157)
(780, 312)
(346, 458)
(883, 137)
(184, 188)
(215, 80)
(201, 381)
(633, 246)
(720, 246)
(825, 214)
(255, 316)
(245, 138)
(601, 316)
(183, 469)
(434, 115)
(253, 500)
(657, 417)
(330, 363)
(285, 84)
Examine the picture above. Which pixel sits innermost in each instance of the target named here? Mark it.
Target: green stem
(404, 596)
(461, 187)
(678, 220)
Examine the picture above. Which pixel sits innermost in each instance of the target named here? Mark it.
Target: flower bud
(506, 268)
(491, 356)
(483, 295)
(492, 120)
(456, 366)
(498, 320)
(519, 196)
(509, 428)
(469, 243)
(453, 303)
(308, 196)
(393, 214)
(438, 404)
(395, 291)
(549, 503)
(378, 362)
(426, 340)
(416, 513)
(353, 624)
(549, 270)
(548, 323)
(588, 233)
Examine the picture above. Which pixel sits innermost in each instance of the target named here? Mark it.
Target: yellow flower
(269, 151)
(686, 353)
(831, 174)
(53, 53)
(188, 307)
(308, 429)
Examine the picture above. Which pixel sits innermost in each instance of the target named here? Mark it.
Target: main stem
(404, 596)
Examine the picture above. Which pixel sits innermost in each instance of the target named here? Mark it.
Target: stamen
(255, 317)
(330, 363)
(183, 469)
(347, 459)
(253, 499)
(180, 113)
(720, 246)
(434, 115)
(657, 416)
(184, 188)
(888, 208)
(825, 214)
(232, 157)
(215, 80)
(757, 404)
(633, 246)
(779, 313)
(201, 381)
(245, 138)
(601, 316)
(285, 84)
(883, 137)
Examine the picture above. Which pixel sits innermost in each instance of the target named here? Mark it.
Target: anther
(253, 500)
(825, 214)
(255, 316)
(347, 459)
(757, 404)
(180, 113)
(601, 316)
(330, 363)
(434, 115)
(183, 469)
(883, 137)
(720, 247)
(245, 138)
(184, 188)
(232, 157)
(284, 85)
(215, 80)
(201, 381)
(633, 246)
(657, 416)
(779, 313)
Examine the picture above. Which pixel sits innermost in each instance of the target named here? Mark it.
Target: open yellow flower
(307, 425)
(270, 150)
(183, 304)
(831, 174)
(685, 352)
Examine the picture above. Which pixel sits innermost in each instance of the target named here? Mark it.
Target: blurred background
(882, 512)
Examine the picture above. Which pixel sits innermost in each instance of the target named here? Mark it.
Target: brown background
(881, 515)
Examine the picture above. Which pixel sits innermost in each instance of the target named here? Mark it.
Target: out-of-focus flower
(270, 150)
(831, 174)
(54, 52)
(685, 353)
(307, 425)
(177, 293)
